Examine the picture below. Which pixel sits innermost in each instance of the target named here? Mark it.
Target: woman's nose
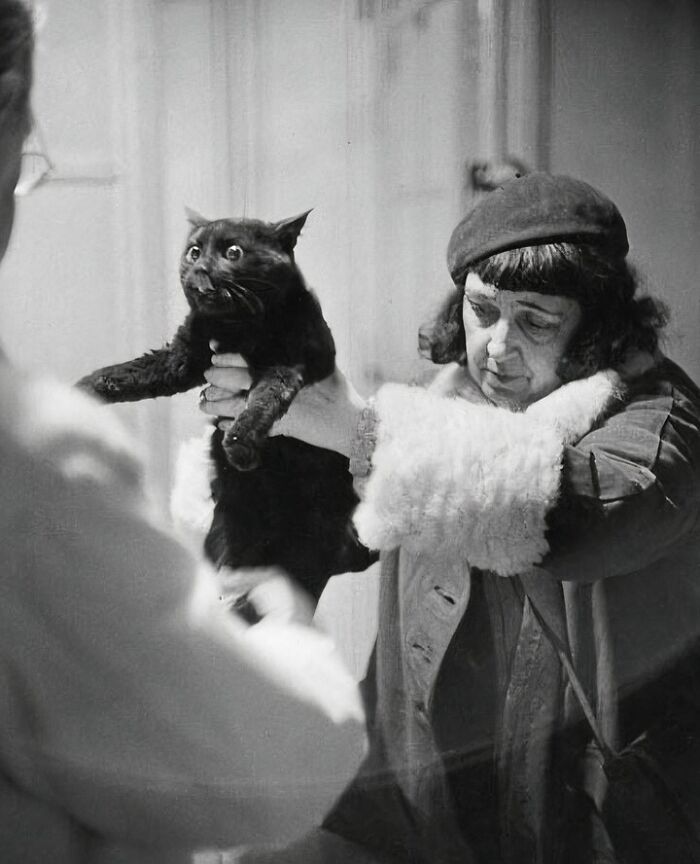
(501, 341)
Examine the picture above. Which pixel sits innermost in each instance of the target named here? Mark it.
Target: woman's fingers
(231, 378)
(216, 394)
(229, 382)
(230, 407)
(279, 598)
(225, 359)
(324, 414)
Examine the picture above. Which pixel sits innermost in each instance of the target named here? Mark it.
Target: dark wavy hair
(614, 320)
(16, 70)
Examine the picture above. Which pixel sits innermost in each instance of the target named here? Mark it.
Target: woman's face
(515, 341)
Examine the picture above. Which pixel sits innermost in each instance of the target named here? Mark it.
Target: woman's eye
(483, 313)
(234, 253)
(193, 253)
(539, 324)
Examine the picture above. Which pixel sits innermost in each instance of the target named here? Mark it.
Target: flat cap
(534, 209)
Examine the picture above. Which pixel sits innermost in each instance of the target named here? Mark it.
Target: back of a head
(16, 49)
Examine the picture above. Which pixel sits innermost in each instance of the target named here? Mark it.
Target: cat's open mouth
(224, 308)
(232, 300)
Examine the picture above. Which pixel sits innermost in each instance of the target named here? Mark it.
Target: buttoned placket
(434, 593)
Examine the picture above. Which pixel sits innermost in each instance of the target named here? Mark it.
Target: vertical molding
(485, 72)
(236, 36)
(220, 75)
(138, 224)
(361, 181)
(527, 45)
(348, 607)
(136, 133)
(545, 83)
(492, 122)
(514, 84)
(234, 32)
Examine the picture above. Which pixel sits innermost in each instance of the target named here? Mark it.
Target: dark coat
(479, 750)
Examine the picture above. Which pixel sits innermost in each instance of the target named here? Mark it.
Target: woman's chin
(514, 395)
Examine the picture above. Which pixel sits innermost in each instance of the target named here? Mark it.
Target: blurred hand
(285, 643)
(325, 414)
(270, 593)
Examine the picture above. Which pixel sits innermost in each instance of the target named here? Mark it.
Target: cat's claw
(97, 385)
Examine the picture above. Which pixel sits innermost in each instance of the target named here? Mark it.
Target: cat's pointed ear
(288, 230)
(195, 219)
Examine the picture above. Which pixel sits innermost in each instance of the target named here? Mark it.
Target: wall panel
(625, 117)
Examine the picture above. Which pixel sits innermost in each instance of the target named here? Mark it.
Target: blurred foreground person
(139, 720)
(534, 695)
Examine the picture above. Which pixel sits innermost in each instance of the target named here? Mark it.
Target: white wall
(65, 252)
(269, 107)
(258, 107)
(275, 107)
(626, 117)
(83, 281)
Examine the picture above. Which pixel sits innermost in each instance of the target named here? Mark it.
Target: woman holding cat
(538, 514)
(139, 720)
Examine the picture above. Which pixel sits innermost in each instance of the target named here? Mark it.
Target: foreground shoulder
(62, 427)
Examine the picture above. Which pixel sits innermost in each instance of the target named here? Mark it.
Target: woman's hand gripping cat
(324, 414)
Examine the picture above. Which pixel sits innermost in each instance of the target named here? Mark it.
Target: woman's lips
(503, 379)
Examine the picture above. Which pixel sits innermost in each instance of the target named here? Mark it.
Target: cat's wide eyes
(192, 254)
(234, 253)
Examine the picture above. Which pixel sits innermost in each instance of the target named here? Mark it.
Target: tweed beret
(534, 209)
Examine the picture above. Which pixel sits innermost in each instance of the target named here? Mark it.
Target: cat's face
(236, 268)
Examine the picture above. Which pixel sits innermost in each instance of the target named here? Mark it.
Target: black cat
(277, 500)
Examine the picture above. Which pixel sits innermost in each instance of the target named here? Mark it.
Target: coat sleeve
(131, 699)
(630, 490)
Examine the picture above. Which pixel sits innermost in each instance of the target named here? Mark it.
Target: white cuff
(469, 479)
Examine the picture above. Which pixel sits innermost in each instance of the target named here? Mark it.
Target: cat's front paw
(98, 385)
(242, 454)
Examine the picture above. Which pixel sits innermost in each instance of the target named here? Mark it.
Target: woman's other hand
(324, 414)
(267, 592)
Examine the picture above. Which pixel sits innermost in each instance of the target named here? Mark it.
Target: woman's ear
(288, 230)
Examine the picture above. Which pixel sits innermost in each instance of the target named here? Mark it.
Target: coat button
(421, 710)
(444, 595)
(421, 648)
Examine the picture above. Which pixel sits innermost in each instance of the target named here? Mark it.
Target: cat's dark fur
(278, 501)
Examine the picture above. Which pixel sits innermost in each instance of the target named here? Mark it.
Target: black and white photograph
(350, 431)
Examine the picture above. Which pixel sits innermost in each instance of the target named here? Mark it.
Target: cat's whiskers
(263, 282)
(246, 296)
